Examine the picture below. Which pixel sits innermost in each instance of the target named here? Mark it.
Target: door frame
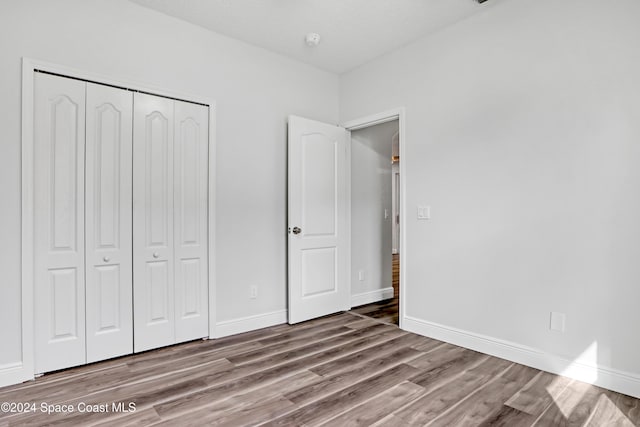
(365, 122)
(24, 370)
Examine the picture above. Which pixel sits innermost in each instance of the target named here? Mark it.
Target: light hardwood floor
(338, 370)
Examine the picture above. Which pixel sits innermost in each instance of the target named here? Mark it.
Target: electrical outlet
(361, 275)
(253, 292)
(386, 214)
(557, 321)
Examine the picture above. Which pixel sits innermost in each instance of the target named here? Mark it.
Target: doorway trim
(365, 122)
(23, 370)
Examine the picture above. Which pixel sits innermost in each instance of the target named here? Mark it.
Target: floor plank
(606, 413)
(508, 417)
(324, 409)
(629, 406)
(379, 407)
(144, 417)
(437, 367)
(241, 409)
(451, 391)
(539, 394)
(339, 381)
(572, 407)
(288, 345)
(360, 323)
(487, 401)
(354, 360)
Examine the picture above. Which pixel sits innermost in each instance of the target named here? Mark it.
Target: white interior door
(190, 219)
(108, 219)
(154, 317)
(318, 243)
(59, 126)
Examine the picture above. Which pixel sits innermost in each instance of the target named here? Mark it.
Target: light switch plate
(424, 212)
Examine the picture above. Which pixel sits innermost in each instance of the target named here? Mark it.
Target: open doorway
(325, 274)
(375, 221)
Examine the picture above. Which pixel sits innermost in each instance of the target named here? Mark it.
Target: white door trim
(372, 120)
(23, 370)
(375, 119)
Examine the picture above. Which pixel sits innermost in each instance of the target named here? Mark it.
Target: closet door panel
(59, 124)
(154, 319)
(157, 279)
(109, 222)
(190, 225)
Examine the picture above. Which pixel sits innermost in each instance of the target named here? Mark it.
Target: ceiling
(352, 32)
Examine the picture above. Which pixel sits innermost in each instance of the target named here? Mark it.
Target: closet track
(119, 87)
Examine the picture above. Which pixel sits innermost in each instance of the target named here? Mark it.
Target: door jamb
(365, 122)
(24, 369)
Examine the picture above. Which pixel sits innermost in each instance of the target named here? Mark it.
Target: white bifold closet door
(120, 222)
(59, 131)
(82, 219)
(108, 220)
(169, 219)
(190, 191)
(153, 222)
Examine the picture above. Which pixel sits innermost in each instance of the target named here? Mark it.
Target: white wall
(255, 91)
(523, 134)
(370, 195)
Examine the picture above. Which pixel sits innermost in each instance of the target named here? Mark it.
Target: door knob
(105, 259)
(156, 254)
(297, 230)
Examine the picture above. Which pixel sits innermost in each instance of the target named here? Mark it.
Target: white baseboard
(371, 296)
(249, 323)
(14, 373)
(612, 379)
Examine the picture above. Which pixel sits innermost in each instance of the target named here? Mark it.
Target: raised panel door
(153, 257)
(108, 222)
(59, 125)
(190, 220)
(317, 219)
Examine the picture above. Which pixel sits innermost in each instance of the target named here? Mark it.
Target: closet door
(108, 222)
(190, 219)
(59, 126)
(154, 319)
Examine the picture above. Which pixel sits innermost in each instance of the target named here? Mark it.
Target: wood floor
(395, 274)
(337, 371)
(387, 310)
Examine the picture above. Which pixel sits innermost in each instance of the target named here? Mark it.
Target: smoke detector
(312, 39)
